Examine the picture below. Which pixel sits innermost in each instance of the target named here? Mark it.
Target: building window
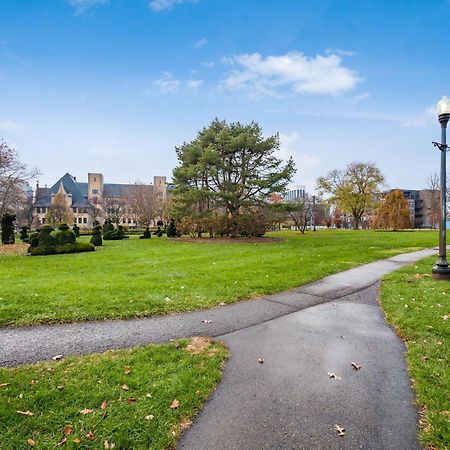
(95, 178)
(79, 219)
(84, 219)
(94, 191)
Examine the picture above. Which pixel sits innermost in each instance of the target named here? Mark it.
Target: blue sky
(114, 86)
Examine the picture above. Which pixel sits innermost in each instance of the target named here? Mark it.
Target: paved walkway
(289, 400)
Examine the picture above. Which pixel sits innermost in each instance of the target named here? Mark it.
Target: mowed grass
(123, 399)
(419, 308)
(139, 277)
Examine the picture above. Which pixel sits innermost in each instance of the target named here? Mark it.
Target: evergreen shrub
(171, 229)
(8, 228)
(76, 230)
(96, 238)
(24, 233)
(147, 234)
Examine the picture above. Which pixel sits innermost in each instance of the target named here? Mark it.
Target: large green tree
(354, 189)
(229, 167)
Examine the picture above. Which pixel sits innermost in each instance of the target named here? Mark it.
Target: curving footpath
(276, 391)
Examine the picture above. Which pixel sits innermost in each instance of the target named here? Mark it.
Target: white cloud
(201, 43)
(293, 72)
(167, 5)
(9, 125)
(83, 5)
(167, 84)
(194, 84)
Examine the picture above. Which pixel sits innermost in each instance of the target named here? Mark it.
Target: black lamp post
(441, 270)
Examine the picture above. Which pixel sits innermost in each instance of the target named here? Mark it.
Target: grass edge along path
(419, 309)
(141, 398)
(143, 278)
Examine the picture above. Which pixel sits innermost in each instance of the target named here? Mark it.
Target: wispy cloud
(293, 72)
(340, 52)
(167, 84)
(358, 98)
(201, 43)
(83, 5)
(10, 125)
(194, 84)
(167, 5)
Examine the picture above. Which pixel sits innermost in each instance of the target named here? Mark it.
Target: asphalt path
(277, 390)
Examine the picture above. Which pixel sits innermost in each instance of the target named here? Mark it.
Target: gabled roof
(44, 195)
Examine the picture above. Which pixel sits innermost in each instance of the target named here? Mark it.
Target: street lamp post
(441, 270)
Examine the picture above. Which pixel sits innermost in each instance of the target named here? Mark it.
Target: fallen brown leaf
(333, 376)
(175, 404)
(149, 417)
(25, 413)
(60, 387)
(4, 384)
(356, 366)
(90, 436)
(127, 370)
(131, 400)
(34, 382)
(206, 321)
(57, 357)
(339, 430)
(108, 445)
(104, 404)
(76, 440)
(185, 424)
(31, 443)
(86, 411)
(68, 429)
(125, 387)
(261, 360)
(61, 442)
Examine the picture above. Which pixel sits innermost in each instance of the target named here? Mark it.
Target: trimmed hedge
(96, 238)
(45, 243)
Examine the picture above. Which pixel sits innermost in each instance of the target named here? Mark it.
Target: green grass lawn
(140, 398)
(136, 277)
(419, 308)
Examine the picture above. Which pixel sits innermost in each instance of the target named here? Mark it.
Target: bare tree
(14, 176)
(433, 207)
(26, 213)
(143, 203)
(114, 209)
(95, 210)
(300, 211)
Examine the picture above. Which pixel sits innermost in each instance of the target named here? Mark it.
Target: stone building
(84, 199)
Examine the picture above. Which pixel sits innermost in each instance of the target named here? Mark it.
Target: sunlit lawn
(123, 399)
(419, 307)
(147, 277)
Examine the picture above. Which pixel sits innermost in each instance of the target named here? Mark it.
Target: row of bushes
(249, 224)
